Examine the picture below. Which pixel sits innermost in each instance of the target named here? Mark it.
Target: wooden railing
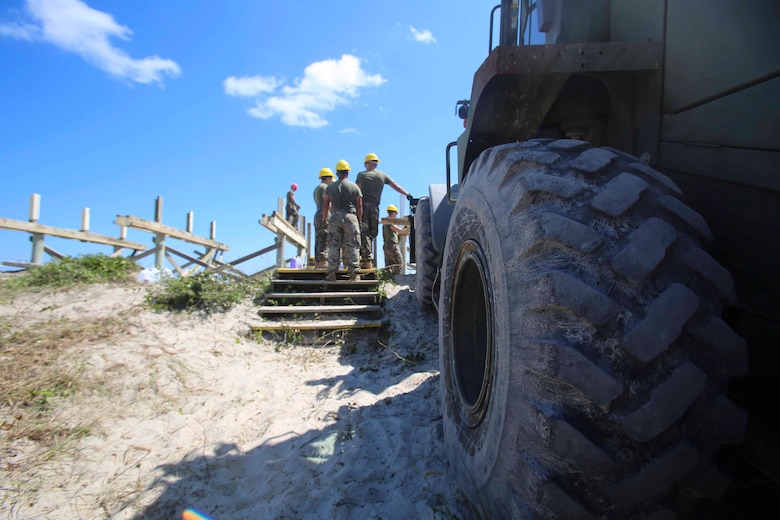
(210, 258)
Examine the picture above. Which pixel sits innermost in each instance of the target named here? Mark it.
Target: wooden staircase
(301, 299)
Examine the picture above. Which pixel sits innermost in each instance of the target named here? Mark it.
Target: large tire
(425, 254)
(584, 366)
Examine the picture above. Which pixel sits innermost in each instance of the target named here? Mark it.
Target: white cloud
(75, 27)
(324, 86)
(250, 86)
(348, 131)
(424, 36)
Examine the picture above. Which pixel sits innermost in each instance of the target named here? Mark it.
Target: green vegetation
(207, 291)
(69, 271)
(384, 275)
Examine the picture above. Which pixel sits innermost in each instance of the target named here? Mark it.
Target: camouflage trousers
(393, 260)
(343, 241)
(369, 228)
(320, 239)
(292, 216)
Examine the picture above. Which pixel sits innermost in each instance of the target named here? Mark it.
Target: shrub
(204, 291)
(78, 270)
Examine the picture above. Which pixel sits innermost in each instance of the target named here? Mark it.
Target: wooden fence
(208, 259)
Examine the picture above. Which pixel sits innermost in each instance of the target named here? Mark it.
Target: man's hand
(409, 197)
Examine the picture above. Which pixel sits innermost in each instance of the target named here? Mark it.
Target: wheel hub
(472, 332)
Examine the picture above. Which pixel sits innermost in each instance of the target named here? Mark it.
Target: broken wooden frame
(38, 233)
(285, 232)
(162, 232)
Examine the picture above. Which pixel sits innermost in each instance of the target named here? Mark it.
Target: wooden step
(294, 271)
(347, 324)
(323, 283)
(342, 294)
(320, 274)
(302, 309)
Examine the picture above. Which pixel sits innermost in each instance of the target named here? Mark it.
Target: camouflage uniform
(320, 227)
(393, 259)
(343, 234)
(371, 184)
(343, 226)
(292, 209)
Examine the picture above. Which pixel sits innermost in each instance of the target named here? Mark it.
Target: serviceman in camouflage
(320, 224)
(393, 259)
(292, 206)
(344, 200)
(371, 182)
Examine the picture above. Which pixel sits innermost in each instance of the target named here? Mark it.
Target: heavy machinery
(606, 264)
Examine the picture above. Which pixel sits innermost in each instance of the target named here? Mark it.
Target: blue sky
(219, 106)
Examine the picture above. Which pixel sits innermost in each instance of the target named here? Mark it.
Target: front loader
(604, 257)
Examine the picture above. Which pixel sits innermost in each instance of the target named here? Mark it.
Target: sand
(193, 413)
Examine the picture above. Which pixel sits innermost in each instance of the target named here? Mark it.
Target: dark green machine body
(693, 83)
(692, 89)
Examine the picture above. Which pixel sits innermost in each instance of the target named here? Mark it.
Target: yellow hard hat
(371, 157)
(342, 165)
(326, 172)
(392, 207)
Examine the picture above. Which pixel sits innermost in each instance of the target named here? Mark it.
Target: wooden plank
(190, 258)
(265, 221)
(228, 269)
(398, 221)
(297, 271)
(25, 265)
(143, 255)
(53, 253)
(85, 236)
(277, 224)
(173, 263)
(324, 283)
(316, 325)
(170, 231)
(341, 294)
(253, 255)
(300, 309)
(281, 222)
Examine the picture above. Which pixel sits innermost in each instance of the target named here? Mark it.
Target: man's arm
(325, 207)
(359, 207)
(397, 187)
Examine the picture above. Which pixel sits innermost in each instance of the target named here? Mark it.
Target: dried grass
(38, 369)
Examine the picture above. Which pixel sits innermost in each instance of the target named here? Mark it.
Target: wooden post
(159, 239)
(37, 238)
(123, 236)
(279, 241)
(35, 208)
(403, 253)
(85, 219)
(302, 229)
(212, 236)
(189, 222)
(308, 245)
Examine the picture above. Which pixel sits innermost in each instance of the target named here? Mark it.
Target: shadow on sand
(383, 460)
